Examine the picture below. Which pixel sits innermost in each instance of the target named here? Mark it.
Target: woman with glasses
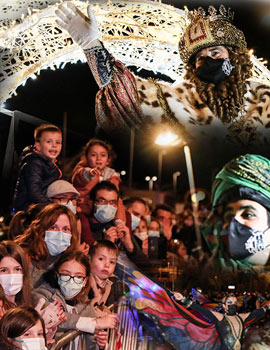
(51, 233)
(68, 282)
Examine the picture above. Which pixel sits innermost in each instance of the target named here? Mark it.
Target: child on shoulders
(38, 167)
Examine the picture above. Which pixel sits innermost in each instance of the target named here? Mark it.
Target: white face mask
(141, 235)
(70, 288)
(71, 206)
(32, 344)
(134, 222)
(105, 213)
(12, 283)
(153, 234)
(57, 241)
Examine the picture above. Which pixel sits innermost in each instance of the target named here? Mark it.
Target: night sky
(73, 90)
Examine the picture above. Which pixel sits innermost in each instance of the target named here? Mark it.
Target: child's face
(153, 226)
(34, 332)
(50, 144)
(98, 157)
(73, 268)
(103, 263)
(9, 265)
(142, 227)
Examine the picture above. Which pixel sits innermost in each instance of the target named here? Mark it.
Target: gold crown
(210, 29)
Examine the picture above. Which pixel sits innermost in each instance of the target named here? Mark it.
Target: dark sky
(73, 90)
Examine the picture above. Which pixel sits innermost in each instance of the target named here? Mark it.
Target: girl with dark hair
(14, 275)
(93, 168)
(51, 233)
(22, 328)
(69, 283)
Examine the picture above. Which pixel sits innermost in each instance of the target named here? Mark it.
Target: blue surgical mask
(32, 343)
(141, 235)
(134, 222)
(153, 234)
(105, 213)
(70, 288)
(57, 241)
(71, 206)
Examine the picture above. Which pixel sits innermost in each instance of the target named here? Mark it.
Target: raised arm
(117, 101)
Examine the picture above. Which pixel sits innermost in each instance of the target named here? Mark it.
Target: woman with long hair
(51, 233)
(14, 275)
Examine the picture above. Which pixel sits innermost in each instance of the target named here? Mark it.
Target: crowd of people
(58, 260)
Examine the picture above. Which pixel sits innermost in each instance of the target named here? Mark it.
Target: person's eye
(3, 270)
(18, 269)
(100, 259)
(215, 53)
(248, 215)
(113, 262)
(66, 229)
(54, 228)
(40, 334)
(26, 335)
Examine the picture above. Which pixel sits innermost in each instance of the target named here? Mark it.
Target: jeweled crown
(210, 29)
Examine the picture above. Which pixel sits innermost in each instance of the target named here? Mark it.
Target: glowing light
(166, 139)
(147, 178)
(154, 178)
(196, 197)
(123, 172)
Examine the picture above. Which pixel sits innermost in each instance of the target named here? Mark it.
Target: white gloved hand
(82, 29)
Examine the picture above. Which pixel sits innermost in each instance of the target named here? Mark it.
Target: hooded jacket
(35, 175)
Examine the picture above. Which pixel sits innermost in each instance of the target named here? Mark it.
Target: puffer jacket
(35, 175)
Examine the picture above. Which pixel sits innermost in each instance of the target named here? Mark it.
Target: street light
(166, 138)
(194, 202)
(175, 176)
(123, 172)
(151, 181)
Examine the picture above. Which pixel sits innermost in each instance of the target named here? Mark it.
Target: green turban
(251, 171)
(244, 177)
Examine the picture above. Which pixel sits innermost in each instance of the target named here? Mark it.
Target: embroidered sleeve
(101, 64)
(118, 105)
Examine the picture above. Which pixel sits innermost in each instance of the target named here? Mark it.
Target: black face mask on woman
(214, 70)
(232, 310)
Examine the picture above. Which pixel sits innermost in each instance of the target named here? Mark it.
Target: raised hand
(108, 321)
(101, 338)
(82, 29)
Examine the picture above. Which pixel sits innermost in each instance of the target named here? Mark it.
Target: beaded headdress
(210, 29)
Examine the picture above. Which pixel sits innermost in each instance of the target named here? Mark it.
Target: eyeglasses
(76, 279)
(104, 201)
(62, 200)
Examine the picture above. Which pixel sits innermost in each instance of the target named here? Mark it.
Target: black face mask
(244, 241)
(232, 310)
(214, 71)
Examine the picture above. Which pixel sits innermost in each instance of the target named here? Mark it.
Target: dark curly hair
(226, 98)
